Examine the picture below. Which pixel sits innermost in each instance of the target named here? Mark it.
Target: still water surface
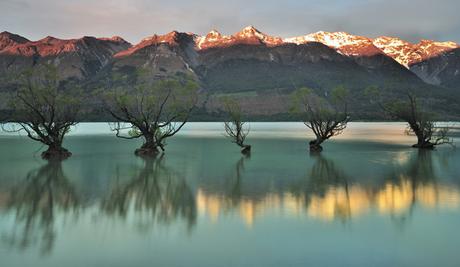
(368, 200)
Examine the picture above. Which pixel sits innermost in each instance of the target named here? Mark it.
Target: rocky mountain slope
(434, 62)
(75, 58)
(258, 68)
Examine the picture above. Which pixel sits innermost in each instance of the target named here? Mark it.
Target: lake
(368, 200)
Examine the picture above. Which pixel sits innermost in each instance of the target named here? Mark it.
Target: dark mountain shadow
(36, 201)
(154, 190)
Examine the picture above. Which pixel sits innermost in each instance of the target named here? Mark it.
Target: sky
(133, 20)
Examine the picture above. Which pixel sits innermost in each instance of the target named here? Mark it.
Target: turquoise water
(368, 200)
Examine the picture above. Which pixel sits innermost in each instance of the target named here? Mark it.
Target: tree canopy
(415, 112)
(154, 110)
(44, 109)
(235, 127)
(326, 116)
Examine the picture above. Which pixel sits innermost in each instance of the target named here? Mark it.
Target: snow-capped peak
(430, 43)
(212, 38)
(250, 31)
(214, 33)
(248, 35)
(407, 53)
(344, 43)
(331, 39)
(400, 50)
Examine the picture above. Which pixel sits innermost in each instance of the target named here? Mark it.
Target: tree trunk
(246, 150)
(148, 149)
(56, 152)
(422, 143)
(315, 145)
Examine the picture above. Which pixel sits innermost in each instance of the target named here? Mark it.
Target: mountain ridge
(404, 52)
(262, 68)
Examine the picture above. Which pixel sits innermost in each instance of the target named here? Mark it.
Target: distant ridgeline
(259, 70)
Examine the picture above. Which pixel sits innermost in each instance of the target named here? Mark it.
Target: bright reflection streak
(336, 203)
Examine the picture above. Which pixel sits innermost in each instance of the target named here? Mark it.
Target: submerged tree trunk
(315, 145)
(246, 149)
(422, 141)
(149, 148)
(422, 144)
(56, 152)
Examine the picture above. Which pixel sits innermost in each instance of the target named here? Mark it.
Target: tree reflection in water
(416, 182)
(235, 194)
(155, 191)
(326, 193)
(35, 201)
(329, 193)
(230, 197)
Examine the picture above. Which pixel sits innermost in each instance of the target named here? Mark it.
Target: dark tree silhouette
(234, 194)
(325, 116)
(35, 201)
(154, 189)
(326, 178)
(154, 111)
(44, 110)
(412, 110)
(235, 126)
(416, 175)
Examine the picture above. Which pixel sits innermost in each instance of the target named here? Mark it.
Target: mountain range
(258, 69)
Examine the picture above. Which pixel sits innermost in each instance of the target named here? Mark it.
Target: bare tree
(419, 121)
(235, 126)
(154, 111)
(44, 109)
(325, 116)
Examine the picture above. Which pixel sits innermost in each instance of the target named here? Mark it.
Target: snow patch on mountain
(248, 35)
(344, 43)
(331, 39)
(408, 54)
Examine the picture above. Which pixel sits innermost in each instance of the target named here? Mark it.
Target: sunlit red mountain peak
(50, 39)
(49, 46)
(344, 43)
(332, 39)
(248, 31)
(9, 39)
(430, 47)
(115, 38)
(408, 54)
(248, 35)
(368, 52)
(214, 34)
(212, 39)
(43, 47)
(173, 38)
